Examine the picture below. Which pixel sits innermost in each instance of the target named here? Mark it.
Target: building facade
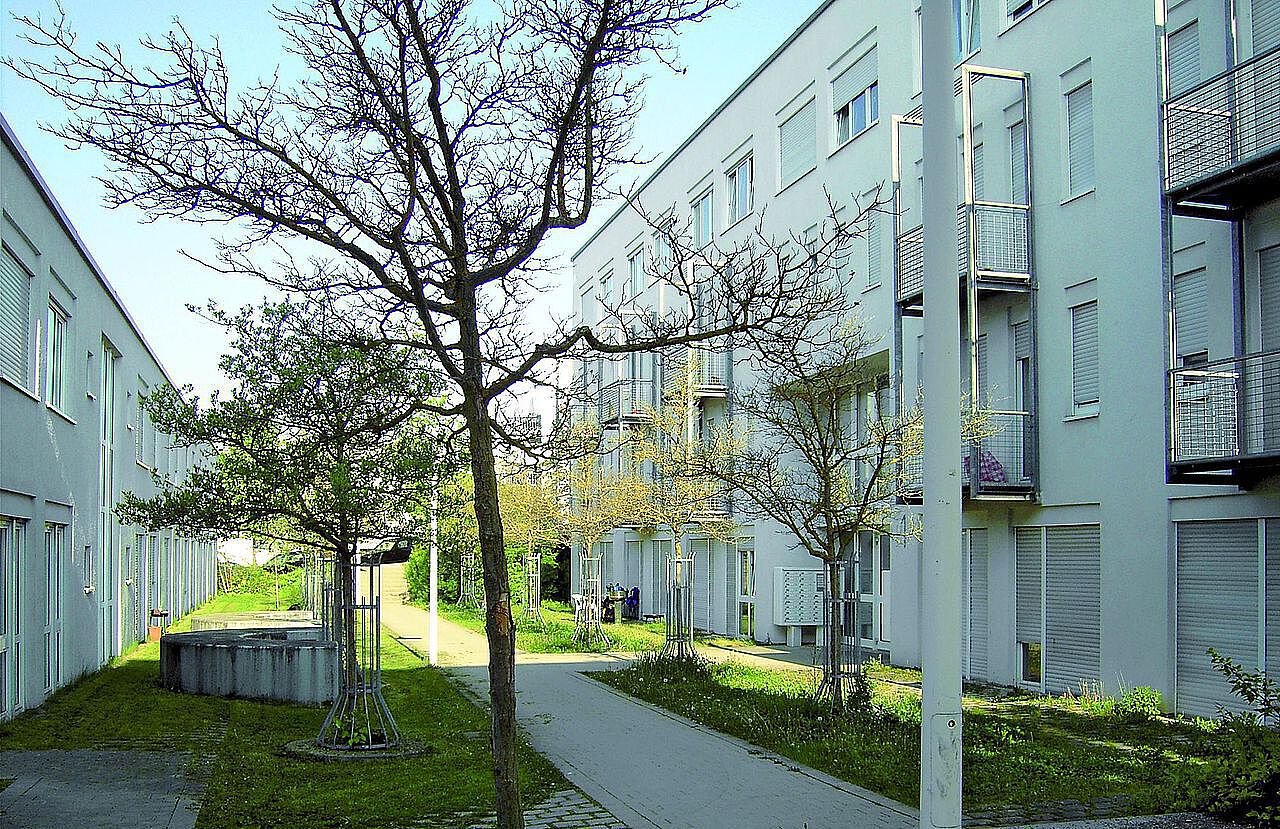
(77, 587)
(1119, 241)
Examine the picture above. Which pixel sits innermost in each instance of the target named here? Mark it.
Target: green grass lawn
(1019, 750)
(556, 636)
(252, 783)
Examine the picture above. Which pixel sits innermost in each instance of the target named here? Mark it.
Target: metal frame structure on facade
(977, 276)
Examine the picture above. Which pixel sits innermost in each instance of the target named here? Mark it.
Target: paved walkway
(98, 789)
(648, 767)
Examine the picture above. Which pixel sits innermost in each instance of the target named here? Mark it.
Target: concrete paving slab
(98, 790)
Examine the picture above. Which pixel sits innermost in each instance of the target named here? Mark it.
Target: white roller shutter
(875, 245)
(1084, 353)
(700, 550)
(1269, 292)
(978, 624)
(1073, 576)
(1184, 58)
(1080, 173)
(731, 588)
(798, 143)
(1018, 162)
(15, 320)
(1191, 312)
(1265, 25)
(1272, 599)
(979, 174)
(853, 81)
(1217, 572)
(631, 565)
(1029, 595)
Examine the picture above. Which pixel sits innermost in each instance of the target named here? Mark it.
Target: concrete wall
(288, 664)
(52, 459)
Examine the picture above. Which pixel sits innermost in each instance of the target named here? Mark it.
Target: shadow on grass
(252, 783)
(1017, 753)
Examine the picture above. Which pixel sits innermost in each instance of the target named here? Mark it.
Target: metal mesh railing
(1003, 244)
(626, 399)
(713, 368)
(1228, 119)
(1222, 405)
(1004, 455)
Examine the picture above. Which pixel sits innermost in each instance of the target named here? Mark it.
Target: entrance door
(976, 627)
(11, 533)
(55, 546)
(746, 610)
(700, 551)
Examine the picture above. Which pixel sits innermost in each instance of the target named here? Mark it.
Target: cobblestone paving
(568, 809)
(1063, 810)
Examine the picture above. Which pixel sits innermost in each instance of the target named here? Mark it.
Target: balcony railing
(1005, 458)
(626, 400)
(1229, 120)
(1226, 411)
(1002, 249)
(711, 377)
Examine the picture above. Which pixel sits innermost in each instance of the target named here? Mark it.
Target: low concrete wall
(290, 664)
(253, 620)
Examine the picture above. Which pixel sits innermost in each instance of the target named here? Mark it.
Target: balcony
(1226, 419)
(1222, 139)
(713, 370)
(1004, 457)
(626, 401)
(1002, 253)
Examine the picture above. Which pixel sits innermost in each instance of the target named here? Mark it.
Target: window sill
(142, 465)
(61, 413)
(797, 180)
(868, 128)
(739, 220)
(4, 378)
(1079, 416)
(1069, 199)
(870, 288)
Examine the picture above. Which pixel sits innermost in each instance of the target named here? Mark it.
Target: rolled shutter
(1265, 25)
(853, 81)
(1272, 597)
(1191, 312)
(731, 588)
(15, 320)
(1217, 573)
(1018, 162)
(874, 248)
(797, 138)
(1080, 139)
(700, 551)
(1184, 58)
(1269, 287)
(1073, 577)
(979, 174)
(1022, 340)
(633, 577)
(1028, 594)
(978, 624)
(1084, 353)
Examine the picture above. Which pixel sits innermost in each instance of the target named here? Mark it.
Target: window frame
(966, 16)
(57, 331)
(870, 96)
(1083, 408)
(1074, 191)
(703, 225)
(734, 209)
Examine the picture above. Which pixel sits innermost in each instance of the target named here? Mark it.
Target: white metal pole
(433, 579)
(940, 619)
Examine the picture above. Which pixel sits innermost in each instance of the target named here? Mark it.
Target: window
(662, 254)
(139, 427)
(635, 275)
(1080, 140)
(968, 29)
(15, 322)
(798, 144)
(875, 224)
(1084, 357)
(55, 356)
(1184, 58)
(856, 96)
(1191, 318)
(741, 189)
(1030, 653)
(702, 220)
(606, 289)
(1015, 10)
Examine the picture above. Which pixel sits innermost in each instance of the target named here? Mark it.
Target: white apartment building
(1120, 275)
(76, 586)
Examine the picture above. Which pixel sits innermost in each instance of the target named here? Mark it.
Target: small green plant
(1139, 705)
(1242, 779)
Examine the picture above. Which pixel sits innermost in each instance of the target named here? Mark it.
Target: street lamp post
(433, 583)
(940, 617)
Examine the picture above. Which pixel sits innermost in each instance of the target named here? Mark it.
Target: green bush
(1241, 781)
(1138, 705)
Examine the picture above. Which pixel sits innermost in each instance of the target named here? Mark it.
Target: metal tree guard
(468, 595)
(359, 718)
(533, 590)
(587, 630)
(839, 620)
(679, 643)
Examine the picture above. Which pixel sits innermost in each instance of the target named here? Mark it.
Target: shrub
(1241, 781)
(1138, 705)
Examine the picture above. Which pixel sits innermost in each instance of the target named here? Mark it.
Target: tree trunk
(498, 624)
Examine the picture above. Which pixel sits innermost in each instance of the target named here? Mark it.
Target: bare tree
(413, 170)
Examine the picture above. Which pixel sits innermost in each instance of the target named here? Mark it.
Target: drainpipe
(940, 618)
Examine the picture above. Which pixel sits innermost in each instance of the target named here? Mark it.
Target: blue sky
(143, 261)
